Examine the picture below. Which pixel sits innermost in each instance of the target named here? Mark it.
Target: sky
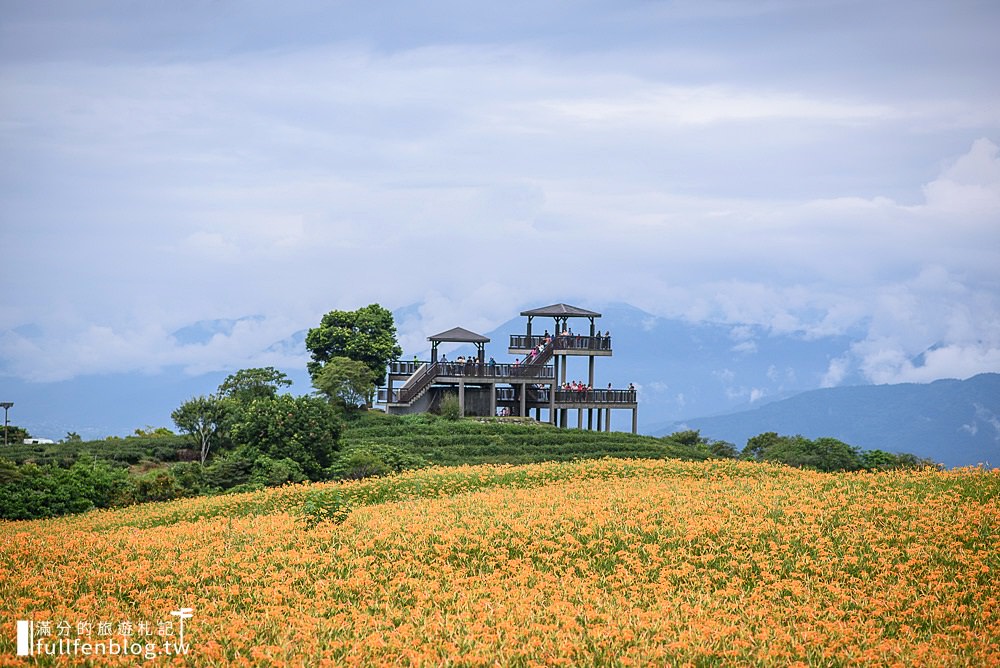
(818, 167)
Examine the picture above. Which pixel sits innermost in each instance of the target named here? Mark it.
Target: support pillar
(599, 412)
(607, 419)
(635, 420)
(493, 399)
(552, 402)
(579, 418)
(524, 399)
(461, 397)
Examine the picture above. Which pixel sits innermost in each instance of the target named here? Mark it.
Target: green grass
(501, 441)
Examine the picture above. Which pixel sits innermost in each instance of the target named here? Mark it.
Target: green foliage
(270, 472)
(822, 454)
(472, 441)
(825, 454)
(692, 438)
(205, 419)
(367, 335)
(248, 384)
(158, 485)
(303, 429)
(367, 460)
(345, 381)
(15, 434)
(72, 437)
(723, 450)
(883, 461)
(119, 452)
(450, 408)
(757, 445)
(149, 432)
(31, 491)
(327, 505)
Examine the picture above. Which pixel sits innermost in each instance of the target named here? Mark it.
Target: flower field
(609, 562)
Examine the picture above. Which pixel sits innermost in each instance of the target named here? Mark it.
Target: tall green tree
(248, 384)
(367, 335)
(204, 418)
(346, 381)
(303, 429)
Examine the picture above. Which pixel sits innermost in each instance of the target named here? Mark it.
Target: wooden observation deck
(531, 382)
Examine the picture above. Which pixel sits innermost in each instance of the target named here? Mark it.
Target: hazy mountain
(955, 422)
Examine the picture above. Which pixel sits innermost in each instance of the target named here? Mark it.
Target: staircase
(417, 384)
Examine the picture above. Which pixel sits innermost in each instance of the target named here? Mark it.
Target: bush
(30, 491)
(230, 471)
(158, 485)
(303, 429)
(374, 459)
(268, 472)
(450, 407)
(325, 506)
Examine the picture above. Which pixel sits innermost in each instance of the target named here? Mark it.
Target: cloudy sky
(816, 166)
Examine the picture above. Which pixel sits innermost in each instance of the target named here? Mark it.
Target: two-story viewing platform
(535, 380)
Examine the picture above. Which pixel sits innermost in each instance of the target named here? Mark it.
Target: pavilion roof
(562, 311)
(459, 335)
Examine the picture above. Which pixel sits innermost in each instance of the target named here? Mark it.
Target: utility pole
(7, 405)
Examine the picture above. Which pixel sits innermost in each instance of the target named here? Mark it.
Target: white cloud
(176, 182)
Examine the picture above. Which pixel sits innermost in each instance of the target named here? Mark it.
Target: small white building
(38, 441)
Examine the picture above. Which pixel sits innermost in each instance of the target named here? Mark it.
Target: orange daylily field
(592, 563)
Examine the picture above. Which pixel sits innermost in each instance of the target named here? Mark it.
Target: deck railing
(416, 383)
(497, 371)
(404, 368)
(562, 342)
(541, 395)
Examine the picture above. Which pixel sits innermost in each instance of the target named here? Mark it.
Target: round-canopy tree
(367, 335)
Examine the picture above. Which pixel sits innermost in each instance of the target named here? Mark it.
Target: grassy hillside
(507, 441)
(603, 562)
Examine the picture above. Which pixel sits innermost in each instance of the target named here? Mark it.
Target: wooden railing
(417, 383)
(562, 342)
(541, 395)
(403, 368)
(497, 371)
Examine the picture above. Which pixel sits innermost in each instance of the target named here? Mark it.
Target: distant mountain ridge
(954, 422)
(681, 369)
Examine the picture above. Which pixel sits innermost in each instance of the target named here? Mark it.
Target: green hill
(502, 440)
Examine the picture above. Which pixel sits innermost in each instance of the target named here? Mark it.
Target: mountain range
(682, 370)
(954, 422)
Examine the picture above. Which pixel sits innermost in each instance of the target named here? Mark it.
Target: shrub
(269, 472)
(325, 506)
(450, 407)
(304, 429)
(158, 485)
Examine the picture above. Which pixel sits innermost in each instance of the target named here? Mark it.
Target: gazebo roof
(459, 335)
(562, 311)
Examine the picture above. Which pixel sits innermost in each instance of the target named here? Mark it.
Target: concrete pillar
(461, 397)
(552, 402)
(599, 412)
(579, 418)
(524, 399)
(635, 420)
(493, 399)
(607, 419)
